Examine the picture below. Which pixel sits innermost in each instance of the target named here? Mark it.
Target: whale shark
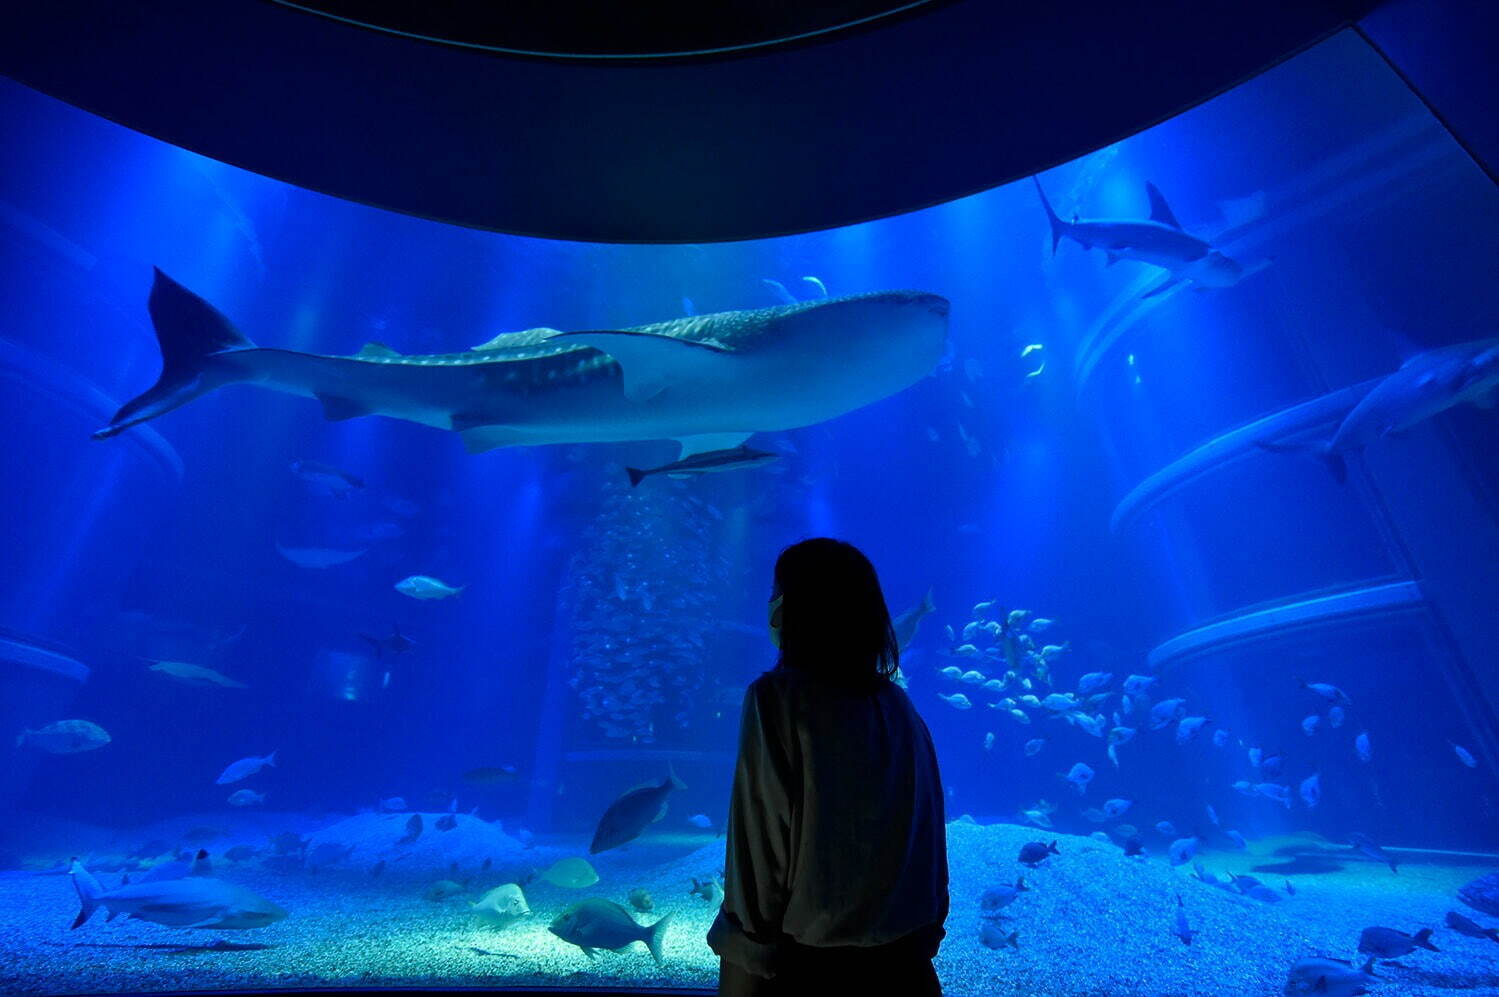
(1159, 241)
(707, 381)
(1425, 385)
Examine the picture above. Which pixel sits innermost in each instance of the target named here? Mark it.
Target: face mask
(775, 621)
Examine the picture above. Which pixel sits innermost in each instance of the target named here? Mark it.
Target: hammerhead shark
(707, 381)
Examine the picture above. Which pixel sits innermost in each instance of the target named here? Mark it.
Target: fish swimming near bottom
(726, 375)
(633, 812)
(705, 462)
(1181, 929)
(1330, 978)
(1467, 926)
(1388, 943)
(595, 923)
(710, 889)
(997, 898)
(571, 874)
(1426, 385)
(991, 937)
(501, 907)
(192, 902)
(1033, 853)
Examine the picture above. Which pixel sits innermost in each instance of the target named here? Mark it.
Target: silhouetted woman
(836, 874)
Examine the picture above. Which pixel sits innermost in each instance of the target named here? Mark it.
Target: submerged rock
(1482, 894)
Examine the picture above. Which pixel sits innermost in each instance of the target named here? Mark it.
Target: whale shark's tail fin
(190, 332)
(1058, 227)
(1334, 461)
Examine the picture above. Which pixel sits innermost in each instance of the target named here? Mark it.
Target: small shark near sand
(1428, 384)
(191, 902)
(709, 381)
(1159, 241)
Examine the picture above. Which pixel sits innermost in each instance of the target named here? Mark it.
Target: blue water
(994, 478)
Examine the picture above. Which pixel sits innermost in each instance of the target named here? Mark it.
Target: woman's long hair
(834, 621)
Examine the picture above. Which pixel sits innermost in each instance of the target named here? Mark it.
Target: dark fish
(998, 898)
(707, 462)
(377, 868)
(1134, 845)
(396, 643)
(992, 938)
(1272, 765)
(1033, 853)
(1465, 926)
(491, 775)
(602, 924)
(1181, 929)
(446, 822)
(632, 813)
(486, 865)
(1387, 943)
(413, 830)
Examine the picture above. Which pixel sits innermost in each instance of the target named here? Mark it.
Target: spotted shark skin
(721, 377)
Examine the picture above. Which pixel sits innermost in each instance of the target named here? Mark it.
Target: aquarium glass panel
(381, 595)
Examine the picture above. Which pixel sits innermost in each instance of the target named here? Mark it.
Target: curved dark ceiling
(897, 114)
(610, 29)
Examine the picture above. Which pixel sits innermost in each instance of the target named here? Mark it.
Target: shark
(1426, 385)
(708, 381)
(1159, 241)
(196, 901)
(709, 462)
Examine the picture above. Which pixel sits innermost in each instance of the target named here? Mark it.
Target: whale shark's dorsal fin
(1160, 211)
(376, 350)
(694, 445)
(651, 362)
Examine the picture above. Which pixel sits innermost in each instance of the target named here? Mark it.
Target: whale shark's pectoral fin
(1160, 211)
(694, 445)
(652, 363)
